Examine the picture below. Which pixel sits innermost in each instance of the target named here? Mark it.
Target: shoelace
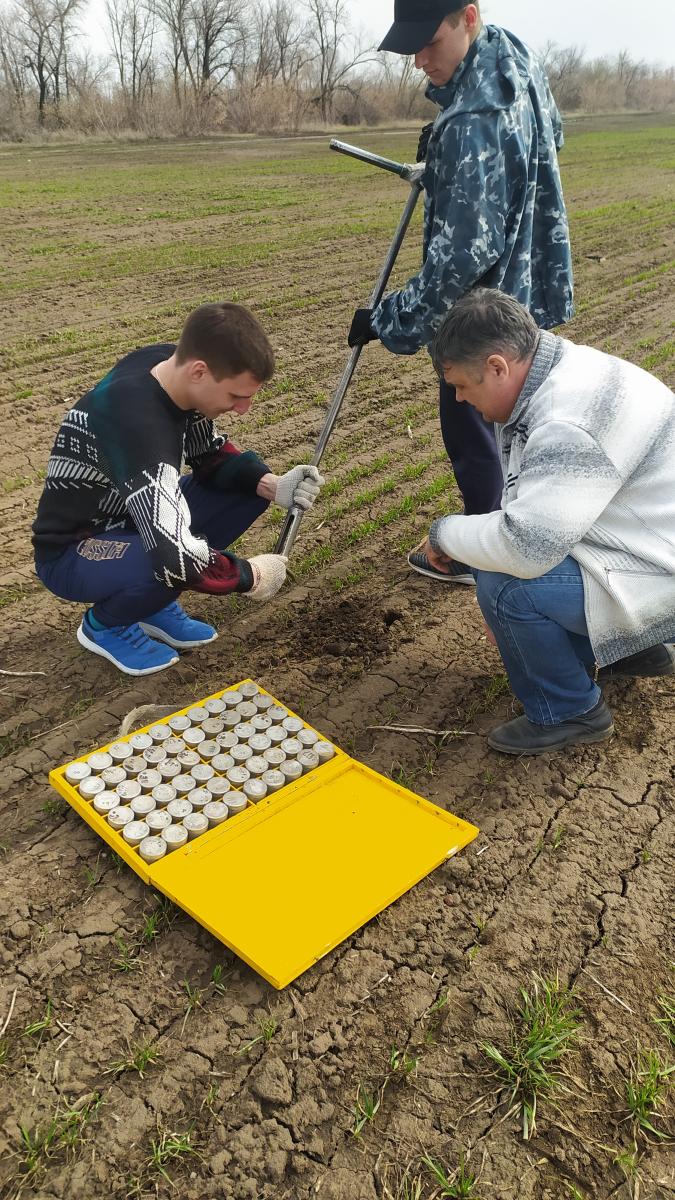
(134, 635)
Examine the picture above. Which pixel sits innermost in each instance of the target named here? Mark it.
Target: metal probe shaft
(292, 523)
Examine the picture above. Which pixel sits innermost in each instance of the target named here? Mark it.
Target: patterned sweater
(494, 209)
(116, 464)
(588, 457)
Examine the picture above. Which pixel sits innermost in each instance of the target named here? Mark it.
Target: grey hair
(482, 323)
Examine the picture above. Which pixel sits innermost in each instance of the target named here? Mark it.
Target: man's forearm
(267, 487)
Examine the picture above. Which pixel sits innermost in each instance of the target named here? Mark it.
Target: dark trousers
(114, 570)
(472, 450)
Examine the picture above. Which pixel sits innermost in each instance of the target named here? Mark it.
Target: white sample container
(188, 759)
(259, 743)
(134, 765)
(236, 802)
(128, 790)
(212, 727)
(293, 725)
(227, 740)
(105, 802)
(152, 849)
(134, 832)
(244, 730)
(232, 699)
(308, 760)
(159, 733)
(277, 734)
(307, 737)
(193, 736)
(291, 769)
(215, 812)
(142, 805)
(140, 742)
(119, 751)
(255, 790)
(178, 724)
(90, 787)
(119, 817)
(262, 702)
(179, 809)
(183, 784)
(209, 748)
(260, 722)
(241, 752)
(113, 775)
(157, 820)
(148, 779)
(248, 690)
(291, 747)
(237, 776)
(214, 707)
(175, 836)
(196, 824)
(154, 755)
(222, 763)
(197, 714)
(99, 761)
(273, 780)
(231, 718)
(173, 746)
(169, 769)
(277, 713)
(203, 771)
(246, 710)
(274, 756)
(198, 797)
(256, 766)
(163, 794)
(76, 772)
(324, 750)
(217, 787)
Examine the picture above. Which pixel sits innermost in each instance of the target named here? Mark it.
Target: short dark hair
(455, 17)
(482, 323)
(229, 339)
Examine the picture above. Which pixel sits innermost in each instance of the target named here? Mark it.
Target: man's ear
(197, 369)
(498, 365)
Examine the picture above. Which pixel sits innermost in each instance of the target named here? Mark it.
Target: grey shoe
(648, 664)
(524, 737)
(457, 572)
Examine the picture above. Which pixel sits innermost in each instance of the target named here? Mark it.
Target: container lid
(299, 846)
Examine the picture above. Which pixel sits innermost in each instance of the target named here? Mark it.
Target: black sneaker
(524, 737)
(648, 664)
(456, 573)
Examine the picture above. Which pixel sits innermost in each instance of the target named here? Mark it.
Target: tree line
(182, 67)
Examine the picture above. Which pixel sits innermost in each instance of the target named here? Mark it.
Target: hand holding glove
(423, 144)
(299, 487)
(269, 575)
(361, 331)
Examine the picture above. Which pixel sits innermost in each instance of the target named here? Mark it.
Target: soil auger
(412, 173)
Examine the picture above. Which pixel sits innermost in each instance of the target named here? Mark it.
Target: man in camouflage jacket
(494, 212)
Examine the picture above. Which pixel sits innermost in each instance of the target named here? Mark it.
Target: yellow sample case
(288, 879)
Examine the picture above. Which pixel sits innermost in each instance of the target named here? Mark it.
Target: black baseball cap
(416, 22)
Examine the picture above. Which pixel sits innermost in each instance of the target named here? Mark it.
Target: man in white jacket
(577, 568)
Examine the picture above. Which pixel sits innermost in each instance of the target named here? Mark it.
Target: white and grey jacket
(588, 457)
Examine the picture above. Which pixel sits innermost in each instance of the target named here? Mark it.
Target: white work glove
(300, 487)
(269, 575)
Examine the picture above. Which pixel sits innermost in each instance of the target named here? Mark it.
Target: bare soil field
(141, 1058)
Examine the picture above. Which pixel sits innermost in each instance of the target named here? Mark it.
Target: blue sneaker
(127, 647)
(173, 626)
(457, 572)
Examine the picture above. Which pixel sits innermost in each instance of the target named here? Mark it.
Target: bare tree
(132, 36)
(327, 34)
(44, 30)
(563, 65)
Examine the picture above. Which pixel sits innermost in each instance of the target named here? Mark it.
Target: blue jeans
(541, 632)
(114, 570)
(472, 450)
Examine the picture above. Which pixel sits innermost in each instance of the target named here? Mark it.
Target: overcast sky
(598, 26)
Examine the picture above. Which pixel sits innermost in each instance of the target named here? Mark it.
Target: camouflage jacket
(494, 208)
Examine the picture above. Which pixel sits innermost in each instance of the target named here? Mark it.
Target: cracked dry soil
(572, 872)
